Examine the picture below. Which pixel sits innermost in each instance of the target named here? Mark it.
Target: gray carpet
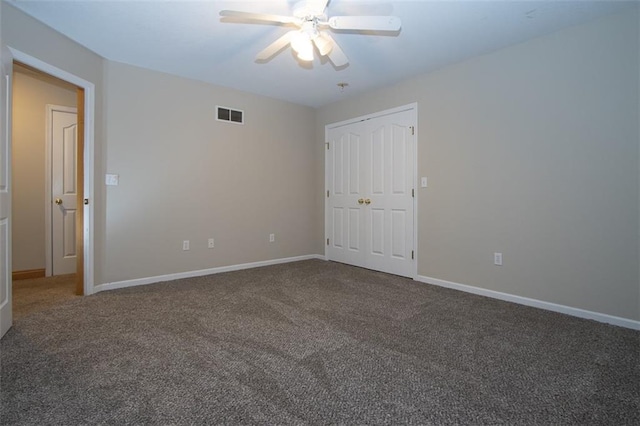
(313, 342)
(39, 294)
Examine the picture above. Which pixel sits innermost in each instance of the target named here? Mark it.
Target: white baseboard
(199, 273)
(576, 312)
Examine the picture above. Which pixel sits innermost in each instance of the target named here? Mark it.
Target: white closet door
(346, 214)
(370, 204)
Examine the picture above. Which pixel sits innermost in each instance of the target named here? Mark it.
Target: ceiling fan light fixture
(299, 41)
(323, 44)
(301, 44)
(306, 56)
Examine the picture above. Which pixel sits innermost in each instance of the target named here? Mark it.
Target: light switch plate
(423, 182)
(111, 180)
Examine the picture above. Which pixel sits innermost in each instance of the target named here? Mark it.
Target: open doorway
(86, 92)
(46, 186)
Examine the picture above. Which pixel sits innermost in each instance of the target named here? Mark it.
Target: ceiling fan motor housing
(310, 28)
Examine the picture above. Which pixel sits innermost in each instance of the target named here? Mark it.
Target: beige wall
(185, 176)
(531, 151)
(31, 94)
(31, 37)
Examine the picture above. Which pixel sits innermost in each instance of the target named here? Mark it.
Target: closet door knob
(361, 201)
(58, 201)
(367, 201)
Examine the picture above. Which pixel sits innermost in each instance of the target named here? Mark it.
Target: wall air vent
(230, 115)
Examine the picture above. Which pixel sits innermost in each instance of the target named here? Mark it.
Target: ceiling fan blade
(317, 6)
(365, 23)
(259, 16)
(336, 55)
(275, 47)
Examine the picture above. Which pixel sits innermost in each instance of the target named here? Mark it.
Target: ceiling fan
(311, 21)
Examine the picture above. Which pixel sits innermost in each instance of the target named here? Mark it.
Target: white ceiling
(188, 38)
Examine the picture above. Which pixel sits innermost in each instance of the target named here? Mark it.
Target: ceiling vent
(230, 115)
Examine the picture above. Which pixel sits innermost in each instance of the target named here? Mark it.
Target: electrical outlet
(272, 237)
(497, 259)
(210, 243)
(185, 245)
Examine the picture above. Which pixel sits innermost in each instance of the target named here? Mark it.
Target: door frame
(87, 157)
(48, 167)
(408, 107)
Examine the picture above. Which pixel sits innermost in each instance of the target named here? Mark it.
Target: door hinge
(327, 241)
(413, 130)
(327, 193)
(411, 254)
(86, 201)
(327, 144)
(413, 192)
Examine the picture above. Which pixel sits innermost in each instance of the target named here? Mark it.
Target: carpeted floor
(39, 294)
(313, 342)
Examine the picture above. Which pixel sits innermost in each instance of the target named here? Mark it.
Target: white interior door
(64, 149)
(370, 204)
(346, 194)
(6, 316)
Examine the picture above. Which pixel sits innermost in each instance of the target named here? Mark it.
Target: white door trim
(48, 241)
(89, 125)
(409, 107)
